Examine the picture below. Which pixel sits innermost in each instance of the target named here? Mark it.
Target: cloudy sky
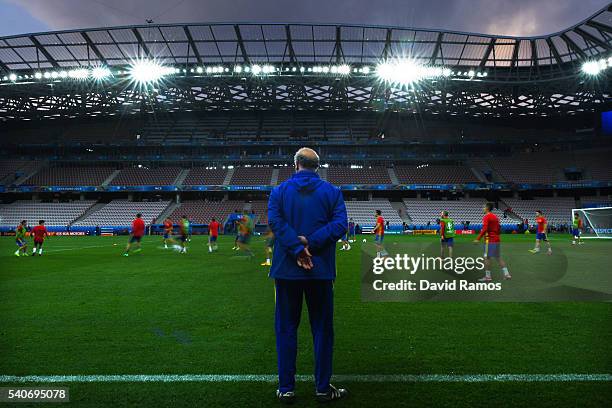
(509, 17)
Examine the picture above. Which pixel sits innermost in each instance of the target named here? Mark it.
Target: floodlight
(591, 68)
(406, 71)
(344, 69)
(148, 71)
(99, 73)
(80, 73)
(365, 70)
(37, 75)
(12, 77)
(238, 69)
(256, 69)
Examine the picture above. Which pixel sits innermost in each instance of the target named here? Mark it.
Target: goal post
(596, 222)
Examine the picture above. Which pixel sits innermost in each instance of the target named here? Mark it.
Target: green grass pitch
(83, 309)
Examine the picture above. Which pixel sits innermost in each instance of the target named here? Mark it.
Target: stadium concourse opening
(136, 235)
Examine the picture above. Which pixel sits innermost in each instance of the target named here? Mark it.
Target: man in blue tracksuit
(307, 216)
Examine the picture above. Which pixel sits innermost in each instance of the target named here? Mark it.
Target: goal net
(596, 222)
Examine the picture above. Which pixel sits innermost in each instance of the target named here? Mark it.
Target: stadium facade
(203, 119)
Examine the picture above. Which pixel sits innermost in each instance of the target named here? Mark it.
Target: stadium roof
(289, 43)
(526, 75)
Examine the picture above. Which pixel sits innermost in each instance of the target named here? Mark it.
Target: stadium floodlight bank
(597, 222)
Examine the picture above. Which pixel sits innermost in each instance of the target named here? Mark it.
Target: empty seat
(54, 214)
(123, 212)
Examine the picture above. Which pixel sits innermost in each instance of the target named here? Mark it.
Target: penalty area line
(271, 378)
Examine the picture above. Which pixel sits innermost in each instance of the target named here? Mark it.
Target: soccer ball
(364, 240)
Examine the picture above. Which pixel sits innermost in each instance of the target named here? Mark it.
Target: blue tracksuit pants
(319, 296)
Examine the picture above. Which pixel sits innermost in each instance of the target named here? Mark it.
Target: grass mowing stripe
(271, 378)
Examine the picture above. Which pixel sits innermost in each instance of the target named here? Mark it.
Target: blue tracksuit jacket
(306, 205)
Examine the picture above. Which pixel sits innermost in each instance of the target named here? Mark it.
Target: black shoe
(331, 395)
(286, 397)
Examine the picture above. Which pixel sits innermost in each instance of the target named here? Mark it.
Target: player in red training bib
(39, 233)
(491, 232)
(168, 228)
(213, 234)
(138, 231)
(541, 233)
(379, 235)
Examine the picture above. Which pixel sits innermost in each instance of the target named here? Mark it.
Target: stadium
(190, 123)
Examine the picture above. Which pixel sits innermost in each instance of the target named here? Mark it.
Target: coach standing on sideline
(307, 216)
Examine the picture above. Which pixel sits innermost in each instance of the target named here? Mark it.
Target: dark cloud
(509, 17)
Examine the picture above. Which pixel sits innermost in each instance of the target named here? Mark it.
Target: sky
(502, 17)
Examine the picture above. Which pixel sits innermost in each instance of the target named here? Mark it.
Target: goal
(596, 222)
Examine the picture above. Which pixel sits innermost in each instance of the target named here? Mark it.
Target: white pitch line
(74, 249)
(271, 378)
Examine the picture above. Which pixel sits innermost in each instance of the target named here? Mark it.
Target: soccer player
(542, 227)
(184, 228)
(40, 233)
(20, 238)
(447, 234)
(577, 228)
(379, 235)
(245, 229)
(168, 228)
(491, 232)
(269, 246)
(138, 231)
(346, 246)
(351, 226)
(213, 234)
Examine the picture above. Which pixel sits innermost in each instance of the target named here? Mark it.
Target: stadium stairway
(31, 173)
(110, 178)
(478, 175)
(399, 205)
(393, 178)
(89, 211)
(180, 179)
(228, 177)
(274, 178)
(502, 206)
(167, 212)
(323, 173)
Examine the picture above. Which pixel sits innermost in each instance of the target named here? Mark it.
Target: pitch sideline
(271, 378)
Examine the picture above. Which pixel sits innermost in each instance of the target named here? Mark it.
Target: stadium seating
(142, 176)
(285, 173)
(439, 174)
(201, 212)
(260, 209)
(557, 210)
(11, 170)
(204, 176)
(54, 214)
(122, 212)
(70, 176)
(595, 165)
(536, 168)
(367, 175)
(599, 201)
(363, 212)
(242, 127)
(251, 176)
(422, 212)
